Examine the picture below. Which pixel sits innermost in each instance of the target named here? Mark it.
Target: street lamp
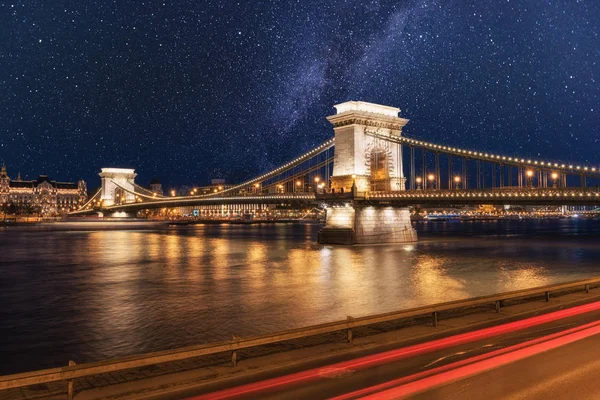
(431, 178)
(457, 181)
(418, 180)
(554, 178)
(529, 174)
(298, 184)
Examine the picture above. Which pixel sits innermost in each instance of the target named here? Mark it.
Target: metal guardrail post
(349, 330)
(497, 306)
(434, 317)
(547, 296)
(587, 288)
(234, 338)
(70, 384)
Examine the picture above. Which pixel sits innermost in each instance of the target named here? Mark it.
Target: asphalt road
(568, 370)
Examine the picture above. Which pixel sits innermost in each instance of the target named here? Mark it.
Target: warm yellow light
(419, 179)
(256, 185)
(457, 179)
(554, 175)
(530, 173)
(172, 193)
(220, 187)
(317, 179)
(353, 176)
(298, 183)
(430, 177)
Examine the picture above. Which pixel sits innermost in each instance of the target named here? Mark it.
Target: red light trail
(398, 354)
(421, 376)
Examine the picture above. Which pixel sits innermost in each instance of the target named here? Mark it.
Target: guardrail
(73, 371)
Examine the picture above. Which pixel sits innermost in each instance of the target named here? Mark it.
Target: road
(556, 358)
(567, 372)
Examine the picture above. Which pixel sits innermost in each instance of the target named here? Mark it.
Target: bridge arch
(379, 161)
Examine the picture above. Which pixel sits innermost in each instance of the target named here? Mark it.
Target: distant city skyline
(190, 91)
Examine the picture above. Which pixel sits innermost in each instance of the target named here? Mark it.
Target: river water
(85, 294)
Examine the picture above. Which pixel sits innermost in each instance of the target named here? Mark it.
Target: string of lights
(495, 158)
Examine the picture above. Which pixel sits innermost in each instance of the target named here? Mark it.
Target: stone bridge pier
(367, 225)
(365, 163)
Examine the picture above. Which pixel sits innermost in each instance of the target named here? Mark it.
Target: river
(84, 294)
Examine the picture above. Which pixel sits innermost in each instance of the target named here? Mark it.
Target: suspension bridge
(358, 176)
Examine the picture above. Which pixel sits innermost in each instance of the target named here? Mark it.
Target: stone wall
(340, 217)
(383, 225)
(367, 225)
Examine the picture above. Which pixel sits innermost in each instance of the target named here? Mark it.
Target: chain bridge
(359, 177)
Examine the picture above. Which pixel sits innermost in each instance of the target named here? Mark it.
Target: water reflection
(87, 295)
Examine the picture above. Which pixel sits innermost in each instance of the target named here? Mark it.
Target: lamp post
(317, 179)
(529, 174)
(298, 183)
(256, 187)
(431, 177)
(457, 182)
(554, 178)
(418, 180)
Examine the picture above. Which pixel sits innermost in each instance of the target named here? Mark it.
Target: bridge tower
(366, 163)
(369, 162)
(117, 186)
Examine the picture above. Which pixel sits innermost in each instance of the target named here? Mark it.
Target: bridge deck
(453, 197)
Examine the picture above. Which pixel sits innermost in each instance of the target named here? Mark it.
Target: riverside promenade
(201, 367)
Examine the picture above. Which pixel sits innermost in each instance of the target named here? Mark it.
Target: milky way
(189, 90)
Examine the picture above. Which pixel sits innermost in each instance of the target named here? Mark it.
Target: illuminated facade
(156, 187)
(361, 158)
(216, 185)
(43, 196)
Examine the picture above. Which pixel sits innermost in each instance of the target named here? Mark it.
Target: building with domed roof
(155, 186)
(44, 196)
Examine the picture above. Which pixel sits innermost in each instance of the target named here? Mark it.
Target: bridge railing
(71, 372)
(494, 192)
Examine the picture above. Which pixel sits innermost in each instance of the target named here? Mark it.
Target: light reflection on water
(88, 295)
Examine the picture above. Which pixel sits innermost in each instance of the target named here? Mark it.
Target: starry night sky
(192, 89)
